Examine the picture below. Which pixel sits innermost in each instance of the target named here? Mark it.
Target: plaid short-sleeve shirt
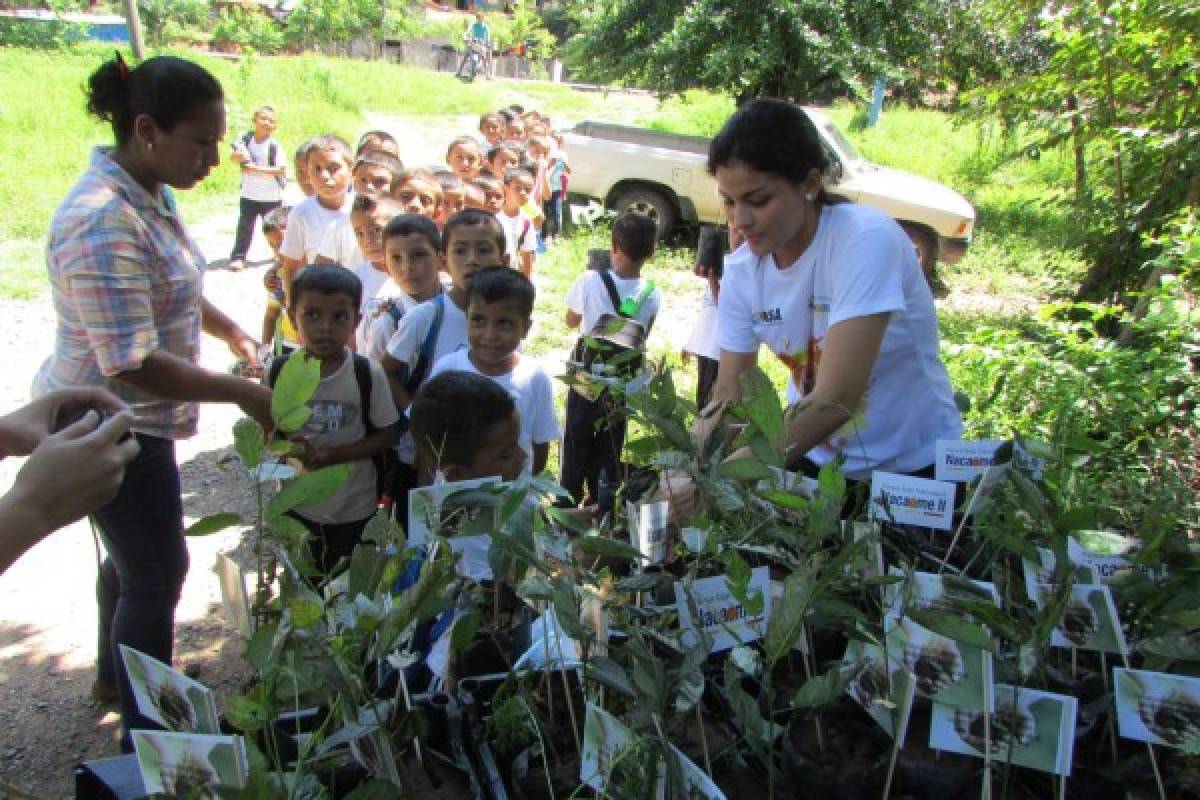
(126, 280)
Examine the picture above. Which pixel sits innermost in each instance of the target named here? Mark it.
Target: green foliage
(248, 30)
(164, 20)
(53, 34)
(319, 21)
(1123, 87)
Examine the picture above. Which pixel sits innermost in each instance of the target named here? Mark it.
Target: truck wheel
(653, 204)
(926, 246)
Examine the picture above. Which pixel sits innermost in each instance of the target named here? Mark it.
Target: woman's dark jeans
(140, 582)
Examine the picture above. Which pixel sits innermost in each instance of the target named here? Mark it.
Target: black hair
(770, 136)
(507, 144)
(516, 108)
(449, 181)
(634, 234)
(470, 217)
(452, 415)
(495, 284)
(463, 141)
(380, 158)
(275, 219)
(409, 224)
(368, 203)
(305, 148)
(491, 116)
(369, 135)
(331, 143)
(327, 279)
(164, 87)
(512, 173)
(505, 114)
(489, 182)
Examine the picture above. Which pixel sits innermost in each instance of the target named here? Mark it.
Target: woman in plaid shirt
(127, 284)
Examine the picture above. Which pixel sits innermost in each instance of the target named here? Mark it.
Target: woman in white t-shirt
(834, 290)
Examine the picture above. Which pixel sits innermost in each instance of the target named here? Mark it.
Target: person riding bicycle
(479, 39)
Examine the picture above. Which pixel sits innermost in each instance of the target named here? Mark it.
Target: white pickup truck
(663, 175)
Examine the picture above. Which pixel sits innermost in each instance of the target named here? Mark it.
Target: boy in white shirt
(412, 256)
(520, 233)
(262, 162)
(594, 430)
(372, 176)
(368, 218)
(329, 172)
(499, 314)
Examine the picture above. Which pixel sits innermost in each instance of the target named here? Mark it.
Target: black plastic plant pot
(116, 778)
(437, 712)
(494, 653)
(483, 762)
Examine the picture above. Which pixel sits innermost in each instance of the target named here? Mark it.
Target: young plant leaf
(745, 469)
(213, 523)
(606, 547)
(787, 621)
(308, 489)
(960, 630)
(464, 630)
(605, 671)
(821, 690)
(248, 442)
(294, 387)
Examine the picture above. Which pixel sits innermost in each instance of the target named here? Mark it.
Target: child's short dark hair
(410, 224)
(634, 234)
(330, 142)
(370, 204)
(489, 183)
(513, 147)
(495, 284)
(327, 279)
(418, 175)
(449, 181)
(380, 158)
(505, 115)
(512, 173)
(305, 148)
(275, 219)
(369, 137)
(491, 116)
(468, 218)
(452, 415)
(464, 141)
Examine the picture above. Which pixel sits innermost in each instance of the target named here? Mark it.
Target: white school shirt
(255, 185)
(339, 244)
(377, 289)
(532, 391)
(519, 235)
(590, 299)
(703, 341)
(307, 225)
(405, 344)
(859, 263)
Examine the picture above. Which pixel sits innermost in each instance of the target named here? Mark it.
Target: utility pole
(134, 23)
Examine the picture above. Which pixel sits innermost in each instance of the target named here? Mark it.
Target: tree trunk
(1078, 148)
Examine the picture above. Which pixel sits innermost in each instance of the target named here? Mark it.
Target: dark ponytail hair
(165, 87)
(774, 137)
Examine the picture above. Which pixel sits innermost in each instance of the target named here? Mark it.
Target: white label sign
(604, 736)
(912, 501)
(963, 461)
(722, 616)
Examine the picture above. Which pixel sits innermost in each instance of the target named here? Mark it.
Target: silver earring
(149, 146)
(808, 197)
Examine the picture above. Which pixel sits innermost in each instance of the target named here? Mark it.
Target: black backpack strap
(276, 367)
(613, 295)
(362, 375)
(272, 153)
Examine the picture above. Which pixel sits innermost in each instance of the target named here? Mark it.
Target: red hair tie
(122, 67)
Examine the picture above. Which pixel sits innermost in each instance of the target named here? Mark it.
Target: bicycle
(473, 58)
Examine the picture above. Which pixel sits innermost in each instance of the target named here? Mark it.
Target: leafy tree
(338, 21)
(161, 19)
(1122, 84)
(801, 49)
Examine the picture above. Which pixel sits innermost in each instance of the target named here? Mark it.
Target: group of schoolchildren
(413, 288)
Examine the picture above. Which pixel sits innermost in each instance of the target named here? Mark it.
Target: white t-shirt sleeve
(293, 238)
(405, 344)
(379, 332)
(865, 276)
(575, 294)
(735, 320)
(383, 407)
(446, 363)
(543, 428)
(525, 234)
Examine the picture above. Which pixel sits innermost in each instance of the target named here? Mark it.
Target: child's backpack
(384, 462)
(272, 155)
(613, 350)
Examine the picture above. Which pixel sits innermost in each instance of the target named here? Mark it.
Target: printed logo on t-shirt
(772, 317)
(820, 304)
(328, 417)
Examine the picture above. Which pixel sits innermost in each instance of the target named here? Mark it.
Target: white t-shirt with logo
(590, 299)
(859, 263)
(532, 391)
(377, 289)
(307, 225)
(519, 235)
(255, 185)
(337, 420)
